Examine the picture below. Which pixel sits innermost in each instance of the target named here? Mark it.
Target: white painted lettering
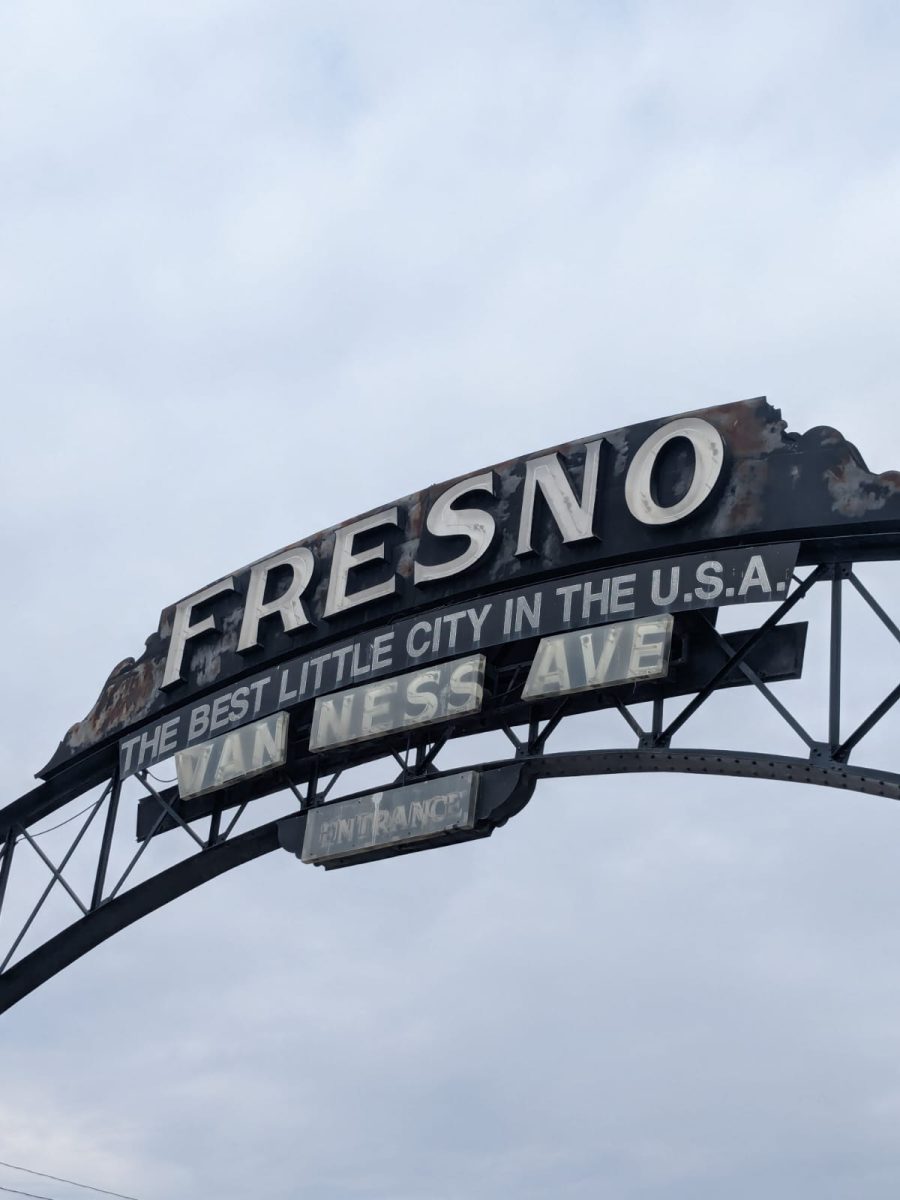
(345, 558)
(568, 592)
(340, 656)
(574, 518)
(256, 687)
(199, 722)
(656, 595)
(755, 576)
(444, 520)
(550, 669)
(528, 612)
(421, 695)
(284, 695)
(288, 605)
(127, 748)
(376, 708)
(183, 629)
(709, 458)
(240, 703)
(382, 653)
(622, 594)
(709, 576)
(168, 736)
(591, 596)
(231, 760)
(220, 716)
(478, 620)
(414, 649)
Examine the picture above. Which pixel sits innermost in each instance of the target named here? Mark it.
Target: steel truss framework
(107, 898)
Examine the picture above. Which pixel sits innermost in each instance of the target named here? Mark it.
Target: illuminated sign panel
(421, 810)
(407, 701)
(240, 754)
(600, 657)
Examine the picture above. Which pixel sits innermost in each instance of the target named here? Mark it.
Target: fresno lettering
(361, 545)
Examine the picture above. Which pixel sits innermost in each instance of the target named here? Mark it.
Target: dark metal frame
(113, 906)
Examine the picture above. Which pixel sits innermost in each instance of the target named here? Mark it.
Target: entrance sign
(600, 657)
(240, 754)
(402, 702)
(407, 814)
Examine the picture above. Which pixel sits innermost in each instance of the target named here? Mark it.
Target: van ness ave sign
(725, 477)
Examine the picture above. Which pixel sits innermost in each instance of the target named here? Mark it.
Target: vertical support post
(657, 726)
(6, 864)
(215, 826)
(312, 788)
(834, 683)
(106, 845)
(533, 734)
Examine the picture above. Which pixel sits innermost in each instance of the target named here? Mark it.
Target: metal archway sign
(588, 578)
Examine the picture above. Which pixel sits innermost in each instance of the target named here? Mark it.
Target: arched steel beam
(741, 764)
(114, 915)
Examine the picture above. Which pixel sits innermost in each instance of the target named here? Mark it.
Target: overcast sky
(265, 266)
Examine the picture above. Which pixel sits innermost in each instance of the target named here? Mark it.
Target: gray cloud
(263, 269)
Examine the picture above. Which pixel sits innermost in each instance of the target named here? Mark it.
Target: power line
(16, 1192)
(159, 778)
(41, 833)
(58, 1179)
